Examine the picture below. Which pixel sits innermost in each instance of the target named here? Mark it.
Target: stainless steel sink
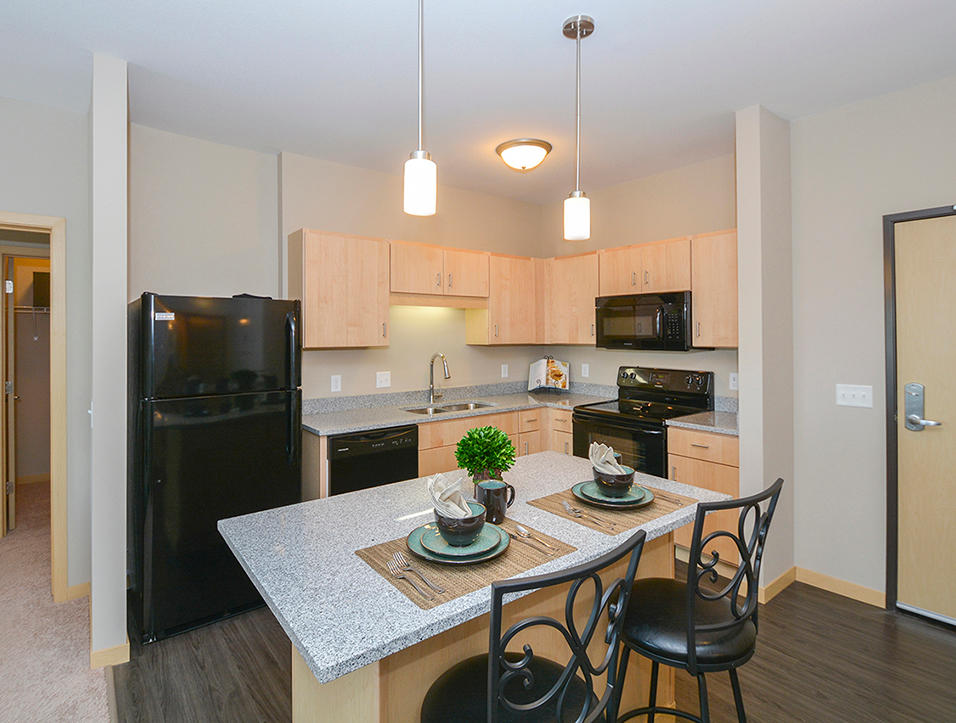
(427, 410)
(463, 406)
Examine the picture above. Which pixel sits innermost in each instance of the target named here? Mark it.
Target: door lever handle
(915, 419)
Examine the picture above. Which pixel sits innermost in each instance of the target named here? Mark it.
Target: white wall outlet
(733, 381)
(854, 395)
(585, 370)
(336, 382)
(383, 379)
(504, 371)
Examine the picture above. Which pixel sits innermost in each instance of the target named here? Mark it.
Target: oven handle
(592, 422)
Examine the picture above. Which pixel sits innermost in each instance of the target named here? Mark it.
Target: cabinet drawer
(561, 421)
(442, 434)
(711, 476)
(529, 420)
(708, 446)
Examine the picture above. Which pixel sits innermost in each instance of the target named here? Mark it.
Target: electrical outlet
(504, 371)
(383, 379)
(336, 382)
(733, 381)
(585, 370)
(854, 395)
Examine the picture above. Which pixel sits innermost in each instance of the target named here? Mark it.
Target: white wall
(108, 216)
(851, 166)
(203, 217)
(45, 154)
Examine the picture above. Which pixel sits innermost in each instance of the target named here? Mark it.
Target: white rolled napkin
(603, 460)
(447, 495)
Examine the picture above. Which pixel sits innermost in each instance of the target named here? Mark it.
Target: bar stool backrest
(607, 603)
(753, 523)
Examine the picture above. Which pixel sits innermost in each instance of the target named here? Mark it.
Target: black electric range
(634, 423)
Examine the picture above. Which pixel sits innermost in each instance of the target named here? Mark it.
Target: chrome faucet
(432, 396)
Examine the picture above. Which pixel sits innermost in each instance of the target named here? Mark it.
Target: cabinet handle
(646, 277)
(592, 329)
(383, 328)
(698, 444)
(565, 447)
(496, 330)
(633, 278)
(532, 420)
(449, 280)
(526, 448)
(698, 328)
(673, 472)
(438, 279)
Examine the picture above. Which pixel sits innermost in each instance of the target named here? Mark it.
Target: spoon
(524, 532)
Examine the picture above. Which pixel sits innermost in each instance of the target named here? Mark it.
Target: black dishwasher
(360, 460)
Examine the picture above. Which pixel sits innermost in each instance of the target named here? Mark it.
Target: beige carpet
(44, 647)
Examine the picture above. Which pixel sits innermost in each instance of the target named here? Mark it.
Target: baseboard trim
(75, 592)
(110, 656)
(29, 479)
(842, 587)
(768, 592)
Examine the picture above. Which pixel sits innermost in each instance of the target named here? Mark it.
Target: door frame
(892, 431)
(56, 227)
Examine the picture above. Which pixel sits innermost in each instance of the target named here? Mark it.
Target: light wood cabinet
(714, 289)
(571, 287)
(620, 271)
(562, 442)
(646, 268)
(708, 446)
(530, 443)
(437, 440)
(556, 430)
(437, 271)
(466, 273)
(343, 283)
(510, 316)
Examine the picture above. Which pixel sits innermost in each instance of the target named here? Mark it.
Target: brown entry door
(926, 415)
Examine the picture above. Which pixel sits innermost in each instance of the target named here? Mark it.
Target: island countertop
(341, 615)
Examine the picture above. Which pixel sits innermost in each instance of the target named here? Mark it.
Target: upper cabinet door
(511, 316)
(621, 271)
(466, 273)
(342, 281)
(573, 287)
(714, 289)
(666, 266)
(416, 268)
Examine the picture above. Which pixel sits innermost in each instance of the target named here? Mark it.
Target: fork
(396, 571)
(405, 565)
(575, 512)
(524, 532)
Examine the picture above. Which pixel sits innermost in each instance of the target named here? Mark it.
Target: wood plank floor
(820, 657)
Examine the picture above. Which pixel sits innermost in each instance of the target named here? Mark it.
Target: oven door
(629, 322)
(641, 446)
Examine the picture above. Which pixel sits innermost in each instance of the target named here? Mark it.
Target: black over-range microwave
(644, 321)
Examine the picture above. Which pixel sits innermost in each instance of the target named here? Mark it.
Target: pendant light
(577, 206)
(421, 173)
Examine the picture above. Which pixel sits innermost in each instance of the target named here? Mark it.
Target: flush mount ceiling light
(577, 206)
(523, 154)
(421, 173)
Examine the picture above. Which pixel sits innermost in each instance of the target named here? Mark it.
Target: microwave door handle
(659, 322)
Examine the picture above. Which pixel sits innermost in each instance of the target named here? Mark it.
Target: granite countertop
(342, 615)
(719, 422)
(377, 417)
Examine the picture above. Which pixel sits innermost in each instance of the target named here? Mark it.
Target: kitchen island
(363, 651)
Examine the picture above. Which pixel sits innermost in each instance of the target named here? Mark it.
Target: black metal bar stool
(682, 625)
(507, 685)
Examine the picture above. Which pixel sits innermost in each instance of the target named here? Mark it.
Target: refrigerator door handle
(291, 324)
(294, 430)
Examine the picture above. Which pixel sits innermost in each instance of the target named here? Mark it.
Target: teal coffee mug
(496, 496)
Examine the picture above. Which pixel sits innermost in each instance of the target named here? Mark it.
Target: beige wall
(332, 197)
(46, 171)
(687, 200)
(850, 166)
(203, 217)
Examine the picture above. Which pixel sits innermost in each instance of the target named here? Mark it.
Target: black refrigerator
(215, 415)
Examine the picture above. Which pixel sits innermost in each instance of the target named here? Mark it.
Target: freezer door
(194, 346)
(210, 458)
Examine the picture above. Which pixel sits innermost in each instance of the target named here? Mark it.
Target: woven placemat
(460, 580)
(613, 522)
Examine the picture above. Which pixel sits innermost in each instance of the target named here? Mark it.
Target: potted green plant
(485, 452)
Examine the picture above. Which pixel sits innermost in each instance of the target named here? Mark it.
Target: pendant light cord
(577, 118)
(421, 83)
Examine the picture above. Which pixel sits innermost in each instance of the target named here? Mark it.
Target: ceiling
(338, 80)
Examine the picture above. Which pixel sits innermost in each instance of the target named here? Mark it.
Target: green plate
(489, 537)
(645, 499)
(414, 543)
(592, 490)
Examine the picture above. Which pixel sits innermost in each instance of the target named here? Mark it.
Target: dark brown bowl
(614, 485)
(461, 531)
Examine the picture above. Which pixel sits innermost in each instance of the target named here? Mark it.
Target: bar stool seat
(461, 693)
(656, 626)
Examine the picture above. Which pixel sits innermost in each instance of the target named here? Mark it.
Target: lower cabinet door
(435, 460)
(711, 476)
(562, 442)
(529, 443)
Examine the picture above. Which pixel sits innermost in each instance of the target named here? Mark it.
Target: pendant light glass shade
(421, 185)
(577, 218)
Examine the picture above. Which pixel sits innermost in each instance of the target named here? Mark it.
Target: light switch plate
(733, 381)
(504, 371)
(383, 379)
(336, 382)
(854, 395)
(585, 370)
